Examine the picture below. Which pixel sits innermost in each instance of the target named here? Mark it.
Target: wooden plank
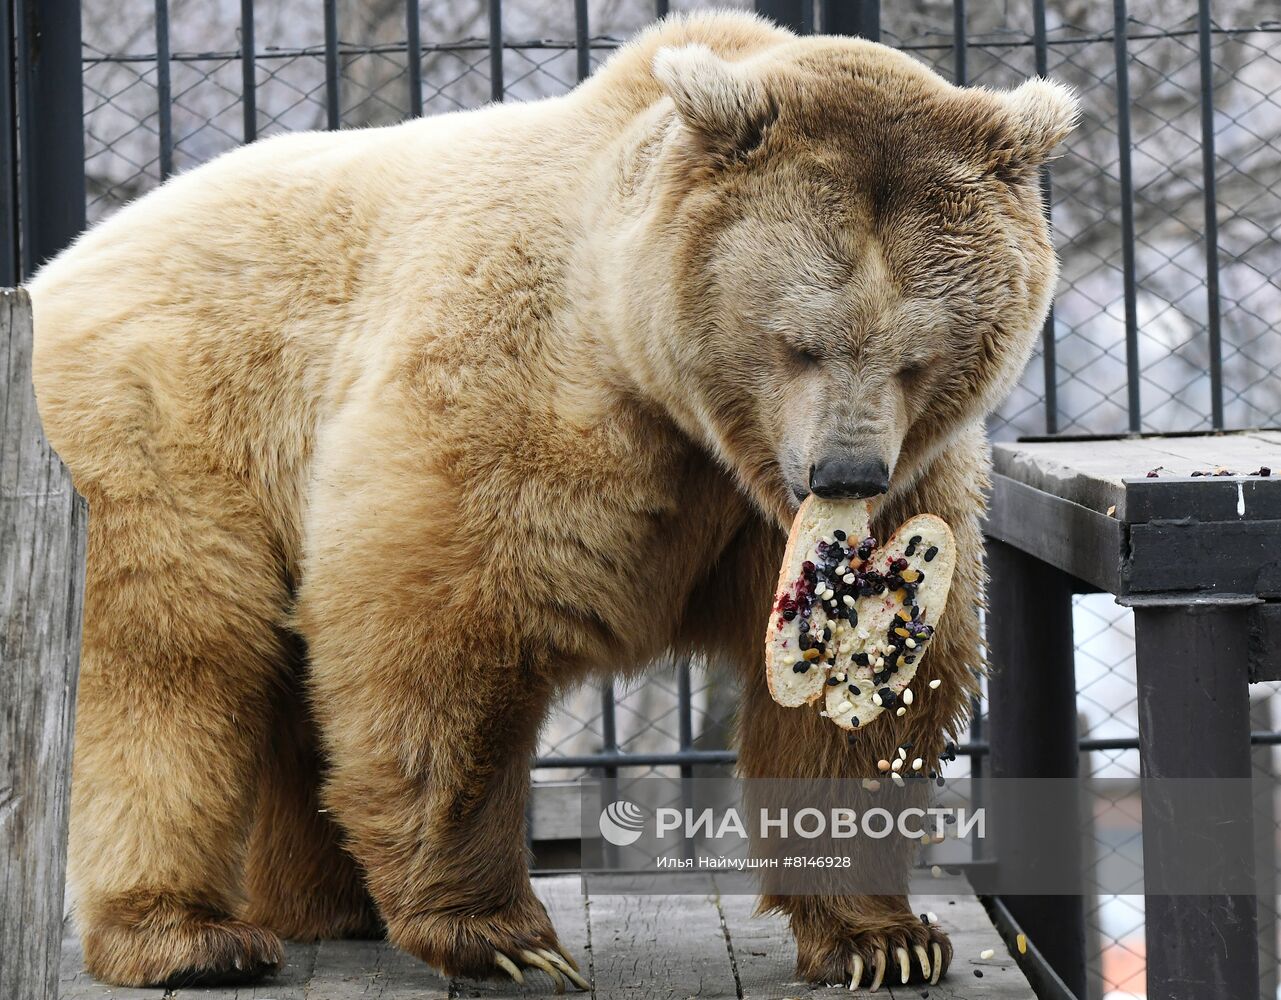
(555, 809)
(659, 946)
(1080, 541)
(1242, 557)
(764, 952)
(374, 969)
(42, 539)
(1229, 498)
(1092, 473)
(1265, 643)
(75, 983)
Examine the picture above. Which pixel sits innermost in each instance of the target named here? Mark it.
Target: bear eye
(912, 372)
(804, 356)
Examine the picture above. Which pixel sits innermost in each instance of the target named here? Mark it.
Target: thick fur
(475, 407)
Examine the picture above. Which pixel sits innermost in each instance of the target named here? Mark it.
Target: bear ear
(722, 103)
(1041, 113)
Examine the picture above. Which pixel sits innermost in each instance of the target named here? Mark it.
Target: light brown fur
(478, 406)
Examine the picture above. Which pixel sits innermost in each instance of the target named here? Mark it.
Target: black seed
(978, 973)
(916, 611)
(854, 721)
(853, 616)
(939, 781)
(888, 697)
(789, 614)
(839, 535)
(804, 627)
(914, 540)
(832, 682)
(931, 552)
(910, 550)
(801, 667)
(860, 659)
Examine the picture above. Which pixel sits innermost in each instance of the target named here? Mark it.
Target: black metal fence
(1166, 207)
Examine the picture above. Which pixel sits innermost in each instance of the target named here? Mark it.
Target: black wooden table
(1198, 558)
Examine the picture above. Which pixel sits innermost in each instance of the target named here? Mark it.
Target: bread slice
(851, 620)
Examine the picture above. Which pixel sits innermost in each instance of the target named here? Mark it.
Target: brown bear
(391, 436)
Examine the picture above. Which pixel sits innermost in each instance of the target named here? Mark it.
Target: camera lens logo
(621, 823)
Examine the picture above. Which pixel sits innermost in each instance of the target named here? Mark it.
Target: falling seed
(898, 779)
(908, 696)
(987, 953)
(934, 917)
(902, 753)
(901, 712)
(871, 784)
(882, 766)
(897, 765)
(1021, 941)
(917, 764)
(936, 871)
(934, 684)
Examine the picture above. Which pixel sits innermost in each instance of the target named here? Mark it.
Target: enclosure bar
(582, 41)
(1191, 679)
(960, 70)
(1049, 346)
(496, 85)
(1121, 50)
(164, 90)
(685, 711)
(853, 17)
(248, 72)
(1209, 188)
(788, 13)
(414, 58)
(51, 167)
(332, 111)
(1033, 734)
(661, 8)
(10, 247)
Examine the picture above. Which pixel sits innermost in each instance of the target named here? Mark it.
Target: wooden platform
(629, 947)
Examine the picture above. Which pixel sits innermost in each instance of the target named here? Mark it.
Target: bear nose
(849, 478)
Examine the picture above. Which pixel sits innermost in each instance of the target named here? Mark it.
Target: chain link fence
(1148, 334)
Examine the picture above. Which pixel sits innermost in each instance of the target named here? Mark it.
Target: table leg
(1194, 723)
(1033, 727)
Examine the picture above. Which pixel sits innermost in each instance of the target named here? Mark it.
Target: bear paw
(177, 949)
(505, 943)
(908, 952)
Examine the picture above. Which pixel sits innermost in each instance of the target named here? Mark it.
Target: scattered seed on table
(1021, 941)
(987, 953)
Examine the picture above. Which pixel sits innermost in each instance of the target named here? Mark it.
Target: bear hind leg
(182, 648)
(300, 881)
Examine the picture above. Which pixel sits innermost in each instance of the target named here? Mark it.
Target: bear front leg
(858, 939)
(428, 703)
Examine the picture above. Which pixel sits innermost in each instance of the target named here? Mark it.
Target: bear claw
(508, 966)
(566, 966)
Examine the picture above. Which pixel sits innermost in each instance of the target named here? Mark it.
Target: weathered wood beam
(42, 540)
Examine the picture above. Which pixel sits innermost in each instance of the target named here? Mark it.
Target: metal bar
(853, 17)
(496, 50)
(333, 113)
(1033, 734)
(785, 13)
(414, 58)
(248, 74)
(10, 245)
(1194, 714)
(582, 40)
(614, 760)
(685, 721)
(164, 90)
(661, 8)
(960, 72)
(1211, 215)
(608, 725)
(51, 187)
(1121, 52)
(1049, 345)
